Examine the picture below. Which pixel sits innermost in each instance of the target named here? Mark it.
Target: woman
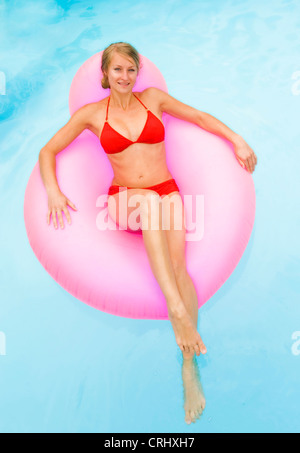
(131, 132)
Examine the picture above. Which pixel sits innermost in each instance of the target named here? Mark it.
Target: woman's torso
(140, 164)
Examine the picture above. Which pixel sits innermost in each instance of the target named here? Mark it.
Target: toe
(188, 418)
(197, 349)
(193, 416)
(198, 413)
(203, 348)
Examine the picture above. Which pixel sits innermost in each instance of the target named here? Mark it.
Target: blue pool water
(66, 367)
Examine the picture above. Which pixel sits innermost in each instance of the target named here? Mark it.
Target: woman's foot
(194, 400)
(187, 337)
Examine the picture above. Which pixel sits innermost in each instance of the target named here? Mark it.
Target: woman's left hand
(244, 154)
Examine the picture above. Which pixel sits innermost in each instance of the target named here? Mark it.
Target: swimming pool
(66, 367)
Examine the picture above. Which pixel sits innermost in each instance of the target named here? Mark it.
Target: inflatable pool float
(108, 269)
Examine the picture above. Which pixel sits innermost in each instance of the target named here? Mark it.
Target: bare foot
(194, 400)
(187, 337)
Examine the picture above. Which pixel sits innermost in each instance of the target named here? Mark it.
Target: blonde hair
(123, 48)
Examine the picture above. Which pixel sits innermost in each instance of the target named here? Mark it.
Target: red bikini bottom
(164, 188)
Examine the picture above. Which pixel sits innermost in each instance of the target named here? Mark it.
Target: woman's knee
(180, 271)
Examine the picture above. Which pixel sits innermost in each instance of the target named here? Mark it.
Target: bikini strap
(140, 101)
(109, 100)
(107, 108)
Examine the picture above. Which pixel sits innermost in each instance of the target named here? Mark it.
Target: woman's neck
(121, 100)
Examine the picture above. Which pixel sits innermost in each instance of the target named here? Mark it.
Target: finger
(253, 162)
(241, 163)
(60, 219)
(48, 217)
(248, 164)
(54, 218)
(69, 202)
(67, 214)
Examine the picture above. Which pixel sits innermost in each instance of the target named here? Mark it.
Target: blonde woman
(130, 129)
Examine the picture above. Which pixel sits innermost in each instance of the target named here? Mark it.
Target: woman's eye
(118, 69)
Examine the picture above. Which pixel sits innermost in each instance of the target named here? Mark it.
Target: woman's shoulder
(150, 92)
(99, 105)
(92, 114)
(151, 97)
(94, 106)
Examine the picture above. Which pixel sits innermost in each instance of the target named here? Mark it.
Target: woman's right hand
(58, 202)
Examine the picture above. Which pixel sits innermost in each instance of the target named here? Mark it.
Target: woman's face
(122, 73)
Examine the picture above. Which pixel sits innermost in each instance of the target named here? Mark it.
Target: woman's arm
(76, 124)
(172, 106)
(57, 201)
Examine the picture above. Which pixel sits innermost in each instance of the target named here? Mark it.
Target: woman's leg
(174, 214)
(175, 284)
(156, 245)
(193, 392)
(158, 253)
(175, 234)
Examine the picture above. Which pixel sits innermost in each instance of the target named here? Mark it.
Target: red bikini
(153, 132)
(113, 142)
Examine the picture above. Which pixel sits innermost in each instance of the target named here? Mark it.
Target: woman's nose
(125, 75)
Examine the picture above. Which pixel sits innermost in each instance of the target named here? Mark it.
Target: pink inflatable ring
(109, 269)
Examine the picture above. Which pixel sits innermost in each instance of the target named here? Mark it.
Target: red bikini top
(113, 142)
